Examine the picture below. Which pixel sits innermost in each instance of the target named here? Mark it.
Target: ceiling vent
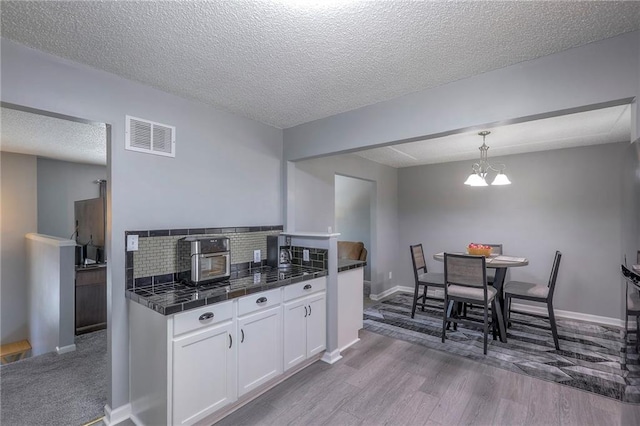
(150, 137)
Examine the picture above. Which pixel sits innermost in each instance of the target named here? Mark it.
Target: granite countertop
(171, 298)
(346, 264)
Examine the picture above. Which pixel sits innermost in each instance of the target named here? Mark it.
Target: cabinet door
(203, 373)
(316, 324)
(91, 300)
(260, 348)
(295, 332)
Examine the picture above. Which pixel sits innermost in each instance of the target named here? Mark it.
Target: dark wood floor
(381, 380)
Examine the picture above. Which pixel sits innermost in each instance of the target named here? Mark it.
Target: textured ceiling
(606, 125)
(288, 62)
(33, 134)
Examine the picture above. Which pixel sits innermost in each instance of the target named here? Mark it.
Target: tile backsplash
(157, 255)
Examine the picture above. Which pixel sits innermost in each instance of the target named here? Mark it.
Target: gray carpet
(52, 389)
(591, 357)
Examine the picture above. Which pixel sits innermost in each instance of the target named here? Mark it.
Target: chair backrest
(495, 248)
(554, 273)
(465, 270)
(628, 274)
(417, 257)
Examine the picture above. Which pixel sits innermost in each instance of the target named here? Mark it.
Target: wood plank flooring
(384, 381)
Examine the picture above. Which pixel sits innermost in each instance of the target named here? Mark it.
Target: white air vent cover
(150, 137)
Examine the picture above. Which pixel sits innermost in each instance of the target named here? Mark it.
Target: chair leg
(455, 314)
(424, 297)
(505, 311)
(554, 329)
(444, 318)
(500, 317)
(626, 325)
(415, 301)
(486, 327)
(638, 334)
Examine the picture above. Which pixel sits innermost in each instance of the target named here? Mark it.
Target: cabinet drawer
(258, 301)
(201, 317)
(304, 288)
(91, 276)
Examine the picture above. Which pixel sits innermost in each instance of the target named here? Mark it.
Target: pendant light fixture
(479, 170)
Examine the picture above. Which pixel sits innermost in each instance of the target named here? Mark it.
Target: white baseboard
(538, 310)
(136, 421)
(349, 344)
(579, 316)
(331, 357)
(120, 414)
(389, 292)
(65, 349)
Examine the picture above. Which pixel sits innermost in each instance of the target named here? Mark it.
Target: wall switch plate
(390, 275)
(132, 243)
(305, 255)
(256, 256)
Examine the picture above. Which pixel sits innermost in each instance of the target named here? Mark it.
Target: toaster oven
(203, 260)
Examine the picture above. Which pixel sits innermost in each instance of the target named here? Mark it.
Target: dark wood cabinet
(91, 299)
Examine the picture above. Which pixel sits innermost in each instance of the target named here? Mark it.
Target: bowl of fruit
(479, 249)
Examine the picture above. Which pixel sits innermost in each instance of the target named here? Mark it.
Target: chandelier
(479, 170)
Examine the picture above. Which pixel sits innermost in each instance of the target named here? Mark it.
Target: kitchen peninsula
(198, 353)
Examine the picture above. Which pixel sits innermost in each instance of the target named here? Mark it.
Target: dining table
(501, 263)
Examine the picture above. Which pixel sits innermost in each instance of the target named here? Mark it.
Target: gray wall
(568, 200)
(60, 183)
(227, 169)
(313, 201)
(602, 71)
(354, 202)
(631, 202)
(18, 212)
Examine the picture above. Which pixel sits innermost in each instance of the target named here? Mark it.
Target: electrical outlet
(390, 275)
(305, 255)
(257, 277)
(256, 256)
(132, 243)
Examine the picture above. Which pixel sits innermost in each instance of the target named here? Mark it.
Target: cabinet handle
(309, 310)
(261, 300)
(206, 316)
(242, 339)
(307, 287)
(230, 341)
(305, 311)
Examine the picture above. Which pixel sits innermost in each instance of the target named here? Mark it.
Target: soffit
(606, 125)
(33, 134)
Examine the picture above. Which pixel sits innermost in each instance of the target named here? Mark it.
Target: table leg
(498, 282)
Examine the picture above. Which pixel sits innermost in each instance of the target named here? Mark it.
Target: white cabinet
(295, 332)
(304, 327)
(187, 366)
(317, 324)
(259, 348)
(203, 373)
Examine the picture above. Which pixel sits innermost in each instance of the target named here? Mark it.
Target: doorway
(354, 215)
(52, 162)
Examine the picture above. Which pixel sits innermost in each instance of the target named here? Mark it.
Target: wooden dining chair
(465, 280)
(535, 292)
(632, 305)
(423, 278)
